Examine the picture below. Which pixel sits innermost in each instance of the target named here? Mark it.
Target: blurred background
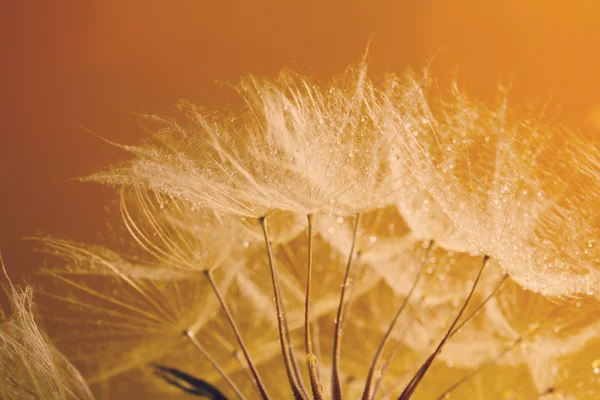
(72, 70)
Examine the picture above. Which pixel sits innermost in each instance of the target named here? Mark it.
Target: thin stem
(480, 306)
(389, 359)
(359, 271)
(336, 386)
(212, 362)
(293, 359)
(479, 369)
(457, 328)
(398, 381)
(286, 350)
(242, 364)
(317, 342)
(257, 381)
(414, 383)
(236, 353)
(367, 392)
(311, 359)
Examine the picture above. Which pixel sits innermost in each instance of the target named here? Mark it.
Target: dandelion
(117, 322)
(135, 306)
(404, 247)
(32, 368)
(522, 191)
(291, 153)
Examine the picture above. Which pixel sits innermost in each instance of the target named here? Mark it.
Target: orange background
(66, 63)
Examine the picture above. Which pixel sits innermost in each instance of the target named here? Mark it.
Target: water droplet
(596, 366)
(312, 360)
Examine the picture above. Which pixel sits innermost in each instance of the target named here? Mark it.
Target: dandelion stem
(243, 365)
(480, 306)
(257, 381)
(212, 362)
(336, 386)
(293, 359)
(236, 353)
(456, 329)
(355, 278)
(492, 362)
(367, 392)
(317, 342)
(311, 359)
(398, 381)
(414, 383)
(479, 369)
(292, 370)
(389, 360)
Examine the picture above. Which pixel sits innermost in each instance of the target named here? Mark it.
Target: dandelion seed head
(553, 327)
(117, 315)
(353, 211)
(298, 147)
(31, 366)
(498, 186)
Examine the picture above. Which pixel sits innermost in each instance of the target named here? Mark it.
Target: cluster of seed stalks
(353, 240)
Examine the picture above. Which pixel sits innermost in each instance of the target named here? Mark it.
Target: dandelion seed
(506, 194)
(120, 314)
(32, 368)
(303, 228)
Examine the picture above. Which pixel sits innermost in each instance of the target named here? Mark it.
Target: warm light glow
(322, 225)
